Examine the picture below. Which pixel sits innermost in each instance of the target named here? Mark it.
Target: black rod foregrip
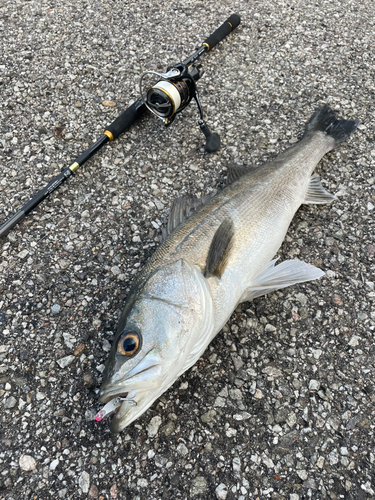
(225, 29)
(126, 119)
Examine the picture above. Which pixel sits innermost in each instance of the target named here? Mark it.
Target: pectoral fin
(285, 274)
(219, 249)
(317, 194)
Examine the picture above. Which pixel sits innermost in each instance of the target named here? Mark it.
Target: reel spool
(172, 93)
(165, 98)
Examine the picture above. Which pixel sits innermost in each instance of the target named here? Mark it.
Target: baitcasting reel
(173, 93)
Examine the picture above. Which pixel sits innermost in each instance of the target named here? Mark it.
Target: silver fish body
(215, 259)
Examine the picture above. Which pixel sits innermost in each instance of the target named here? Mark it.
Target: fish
(218, 253)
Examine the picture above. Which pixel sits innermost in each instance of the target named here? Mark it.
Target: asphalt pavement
(281, 405)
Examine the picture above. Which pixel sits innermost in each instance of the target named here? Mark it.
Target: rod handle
(125, 120)
(224, 30)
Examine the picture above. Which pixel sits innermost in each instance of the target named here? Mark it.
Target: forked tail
(325, 120)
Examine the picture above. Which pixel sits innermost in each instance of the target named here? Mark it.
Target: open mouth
(114, 395)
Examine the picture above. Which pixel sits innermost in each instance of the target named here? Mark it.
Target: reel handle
(224, 30)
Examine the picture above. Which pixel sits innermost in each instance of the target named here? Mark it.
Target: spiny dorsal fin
(317, 194)
(181, 209)
(219, 249)
(235, 172)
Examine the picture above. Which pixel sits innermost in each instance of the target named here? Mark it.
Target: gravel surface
(281, 406)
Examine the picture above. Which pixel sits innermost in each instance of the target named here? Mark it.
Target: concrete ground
(281, 405)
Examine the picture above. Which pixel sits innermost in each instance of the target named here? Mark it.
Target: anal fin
(316, 193)
(218, 252)
(273, 277)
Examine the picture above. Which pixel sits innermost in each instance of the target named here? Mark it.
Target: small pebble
(23, 254)
(54, 464)
(27, 463)
(354, 341)
(55, 309)
(84, 481)
(198, 486)
(66, 361)
(258, 394)
(182, 450)
(79, 349)
(110, 104)
(153, 426)
(221, 491)
(106, 346)
(209, 416)
(236, 464)
(93, 492)
(302, 474)
(314, 385)
(10, 402)
(113, 491)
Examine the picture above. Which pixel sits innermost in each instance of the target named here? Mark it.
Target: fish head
(164, 331)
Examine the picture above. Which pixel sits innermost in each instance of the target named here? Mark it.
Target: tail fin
(324, 120)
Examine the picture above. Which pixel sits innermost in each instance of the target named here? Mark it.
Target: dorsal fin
(235, 172)
(181, 209)
(219, 249)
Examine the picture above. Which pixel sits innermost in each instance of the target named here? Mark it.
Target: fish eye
(129, 343)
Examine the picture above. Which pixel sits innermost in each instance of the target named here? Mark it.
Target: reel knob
(212, 138)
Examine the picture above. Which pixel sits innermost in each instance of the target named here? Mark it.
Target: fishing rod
(170, 95)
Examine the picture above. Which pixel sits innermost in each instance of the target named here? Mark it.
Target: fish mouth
(145, 376)
(106, 397)
(134, 402)
(130, 407)
(138, 389)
